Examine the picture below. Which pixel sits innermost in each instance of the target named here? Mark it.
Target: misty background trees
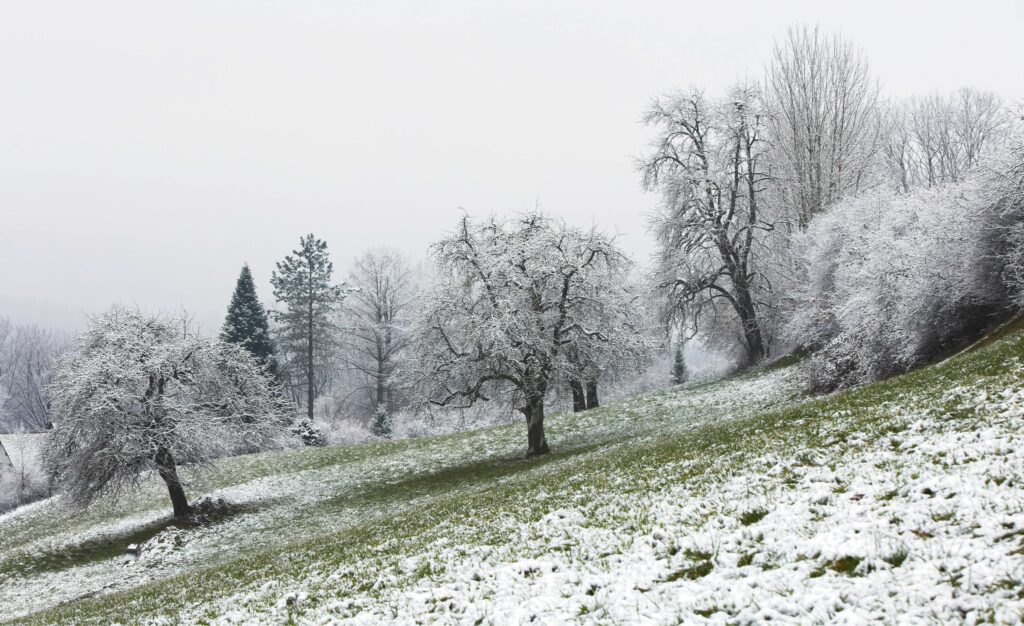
(375, 334)
(940, 138)
(27, 357)
(825, 120)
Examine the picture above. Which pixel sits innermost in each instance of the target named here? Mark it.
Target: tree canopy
(520, 304)
(144, 392)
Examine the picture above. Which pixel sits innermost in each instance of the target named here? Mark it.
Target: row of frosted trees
(515, 309)
(512, 310)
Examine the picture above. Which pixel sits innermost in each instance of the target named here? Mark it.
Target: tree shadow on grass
(110, 545)
(480, 473)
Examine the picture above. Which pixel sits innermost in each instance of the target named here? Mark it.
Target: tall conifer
(302, 282)
(246, 323)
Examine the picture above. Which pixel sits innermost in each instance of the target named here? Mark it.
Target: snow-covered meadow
(728, 502)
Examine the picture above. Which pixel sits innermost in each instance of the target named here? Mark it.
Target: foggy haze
(148, 151)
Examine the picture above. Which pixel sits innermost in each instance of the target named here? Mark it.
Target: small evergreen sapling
(310, 435)
(679, 373)
(381, 423)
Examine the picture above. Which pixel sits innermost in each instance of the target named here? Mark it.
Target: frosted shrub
(894, 280)
(345, 432)
(1007, 176)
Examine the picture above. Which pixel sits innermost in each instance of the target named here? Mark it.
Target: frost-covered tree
(708, 163)
(140, 393)
(307, 327)
(518, 305)
(246, 323)
(824, 119)
(375, 327)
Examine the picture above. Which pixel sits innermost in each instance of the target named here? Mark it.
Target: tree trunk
(534, 411)
(579, 398)
(169, 472)
(309, 365)
(381, 395)
(751, 329)
(744, 306)
(592, 402)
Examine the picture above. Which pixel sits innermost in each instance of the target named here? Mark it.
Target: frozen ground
(731, 502)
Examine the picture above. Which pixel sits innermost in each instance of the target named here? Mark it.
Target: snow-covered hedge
(1008, 177)
(892, 280)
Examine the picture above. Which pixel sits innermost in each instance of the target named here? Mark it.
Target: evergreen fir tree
(679, 374)
(246, 323)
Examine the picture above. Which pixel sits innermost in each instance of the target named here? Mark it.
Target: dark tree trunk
(534, 412)
(747, 312)
(381, 395)
(579, 398)
(592, 402)
(169, 472)
(756, 350)
(310, 391)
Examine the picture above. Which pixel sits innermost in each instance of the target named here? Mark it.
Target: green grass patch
(753, 516)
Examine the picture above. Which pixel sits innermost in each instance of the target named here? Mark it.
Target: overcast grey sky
(148, 149)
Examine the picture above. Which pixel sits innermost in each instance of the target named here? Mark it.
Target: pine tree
(302, 282)
(679, 374)
(246, 323)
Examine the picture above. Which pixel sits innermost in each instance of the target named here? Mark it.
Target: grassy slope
(658, 505)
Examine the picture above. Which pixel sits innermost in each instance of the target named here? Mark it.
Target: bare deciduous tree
(708, 162)
(825, 119)
(375, 332)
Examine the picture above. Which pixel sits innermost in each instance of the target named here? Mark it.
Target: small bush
(310, 435)
(381, 423)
